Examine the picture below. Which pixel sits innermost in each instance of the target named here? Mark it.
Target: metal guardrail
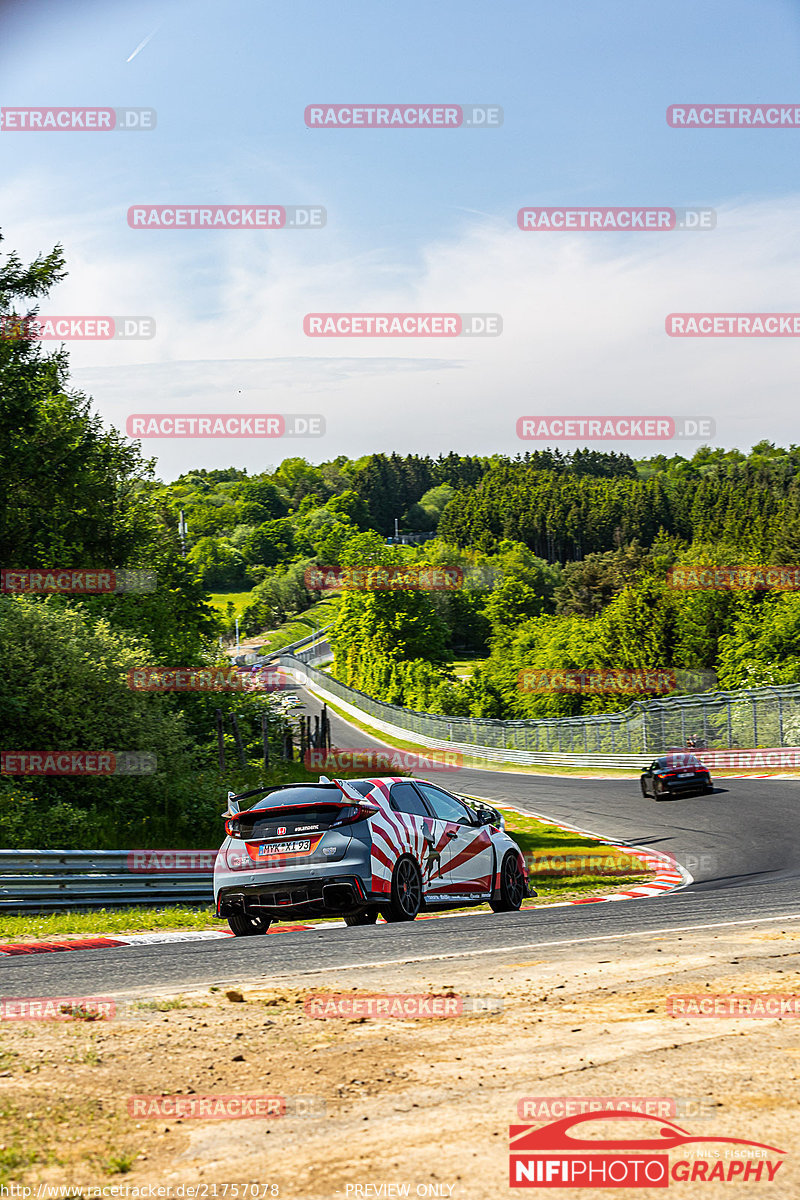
(41, 880)
(251, 658)
(767, 716)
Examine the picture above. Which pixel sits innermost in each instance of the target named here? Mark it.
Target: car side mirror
(489, 816)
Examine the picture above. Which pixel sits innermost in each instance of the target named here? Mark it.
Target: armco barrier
(38, 880)
(251, 658)
(768, 716)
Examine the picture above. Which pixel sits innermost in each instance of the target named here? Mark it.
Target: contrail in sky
(142, 45)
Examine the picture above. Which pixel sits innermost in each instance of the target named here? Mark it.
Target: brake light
(356, 812)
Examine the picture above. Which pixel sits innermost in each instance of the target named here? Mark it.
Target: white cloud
(583, 329)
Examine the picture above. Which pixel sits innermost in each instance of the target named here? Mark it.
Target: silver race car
(358, 848)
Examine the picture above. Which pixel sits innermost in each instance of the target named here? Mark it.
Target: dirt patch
(418, 1102)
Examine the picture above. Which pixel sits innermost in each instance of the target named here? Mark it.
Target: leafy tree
(71, 485)
(220, 566)
(425, 514)
(260, 501)
(590, 584)
(271, 543)
(763, 645)
(66, 688)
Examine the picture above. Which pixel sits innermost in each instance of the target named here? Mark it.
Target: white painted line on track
(605, 937)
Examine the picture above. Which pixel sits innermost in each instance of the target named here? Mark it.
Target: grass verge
(300, 626)
(239, 600)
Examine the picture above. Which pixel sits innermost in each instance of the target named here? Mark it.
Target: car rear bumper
(318, 896)
(687, 785)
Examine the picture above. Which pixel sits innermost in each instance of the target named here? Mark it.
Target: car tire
(707, 790)
(511, 893)
(645, 792)
(244, 926)
(367, 916)
(406, 894)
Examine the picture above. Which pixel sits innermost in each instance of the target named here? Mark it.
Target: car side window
(405, 798)
(445, 807)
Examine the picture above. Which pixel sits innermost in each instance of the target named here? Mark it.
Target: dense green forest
(77, 494)
(564, 559)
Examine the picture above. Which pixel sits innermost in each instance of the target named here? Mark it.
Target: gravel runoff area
(419, 1103)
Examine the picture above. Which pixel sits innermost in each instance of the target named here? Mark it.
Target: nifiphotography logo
(656, 1154)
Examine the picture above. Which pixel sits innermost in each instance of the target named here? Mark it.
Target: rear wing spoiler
(234, 807)
(345, 788)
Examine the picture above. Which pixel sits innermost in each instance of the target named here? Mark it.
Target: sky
(417, 220)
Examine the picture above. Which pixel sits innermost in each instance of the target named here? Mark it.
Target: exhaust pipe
(338, 896)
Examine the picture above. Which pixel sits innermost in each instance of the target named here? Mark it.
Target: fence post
(780, 718)
(237, 737)
(265, 737)
(220, 741)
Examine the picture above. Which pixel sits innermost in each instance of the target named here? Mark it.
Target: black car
(675, 775)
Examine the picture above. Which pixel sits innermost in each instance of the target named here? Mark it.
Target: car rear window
(299, 795)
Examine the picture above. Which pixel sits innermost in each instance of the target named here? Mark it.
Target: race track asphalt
(741, 845)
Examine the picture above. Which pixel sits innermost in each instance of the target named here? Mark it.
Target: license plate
(285, 847)
(685, 774)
